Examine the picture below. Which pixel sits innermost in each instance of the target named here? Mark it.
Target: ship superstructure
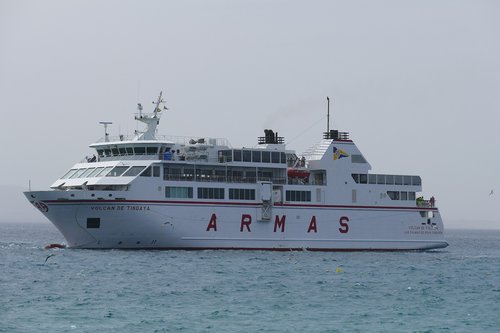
(159, 192)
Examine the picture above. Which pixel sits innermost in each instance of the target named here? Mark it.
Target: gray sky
(416, 83)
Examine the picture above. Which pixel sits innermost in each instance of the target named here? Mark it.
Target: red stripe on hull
(254, 249)
(212, 203)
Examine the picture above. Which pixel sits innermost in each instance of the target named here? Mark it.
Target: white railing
(222, 179)
(182, 140)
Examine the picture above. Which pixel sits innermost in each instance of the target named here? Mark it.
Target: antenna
(328, 116)
(106, 134)
(138, 90)
(159, 101)
(139, 107)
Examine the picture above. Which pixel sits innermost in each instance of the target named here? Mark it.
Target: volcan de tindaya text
(160, 192)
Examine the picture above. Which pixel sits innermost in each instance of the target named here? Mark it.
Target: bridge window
(87, 172)
(104, 172)
(381, 179)
(133, 171)
(117, 171)
(415, 180)
(95, 172)
(140, 150)
(152, 150)
(78, 173)
(372, 179)
(69, 173)
(398, 180)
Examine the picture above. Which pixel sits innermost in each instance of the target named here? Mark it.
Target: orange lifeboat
(298, 173)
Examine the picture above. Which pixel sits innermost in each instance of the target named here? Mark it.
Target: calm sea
(456, 289)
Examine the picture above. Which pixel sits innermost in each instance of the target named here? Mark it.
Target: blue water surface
(456, 289)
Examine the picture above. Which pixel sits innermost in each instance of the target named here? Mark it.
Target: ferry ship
(159, 192)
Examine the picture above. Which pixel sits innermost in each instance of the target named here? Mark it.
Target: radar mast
(150, 119)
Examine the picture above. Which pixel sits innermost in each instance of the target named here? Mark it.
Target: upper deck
(333, 169)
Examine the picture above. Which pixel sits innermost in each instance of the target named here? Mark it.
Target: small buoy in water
(338, 270)
(55, 246)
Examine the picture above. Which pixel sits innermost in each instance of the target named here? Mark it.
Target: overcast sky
(416, 83)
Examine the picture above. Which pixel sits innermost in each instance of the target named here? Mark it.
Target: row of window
(117, 171)
(210, 193)
(241, 194)
(223, 174)
(298, 195)
(180, 192)
(255, 156)
(396, 195)
(126, 150)
(386, 179)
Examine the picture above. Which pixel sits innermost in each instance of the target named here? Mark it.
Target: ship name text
(119, 208)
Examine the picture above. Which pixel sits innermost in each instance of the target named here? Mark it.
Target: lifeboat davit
(299, 173)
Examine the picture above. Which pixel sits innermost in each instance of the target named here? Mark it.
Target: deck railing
(182, 140)
(223, 179)
(426, 203)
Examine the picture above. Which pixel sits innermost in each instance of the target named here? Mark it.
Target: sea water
(456, 289)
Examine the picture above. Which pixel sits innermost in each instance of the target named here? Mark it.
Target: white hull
(194, 225)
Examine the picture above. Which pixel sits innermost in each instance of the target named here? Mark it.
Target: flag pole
(328, 116)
